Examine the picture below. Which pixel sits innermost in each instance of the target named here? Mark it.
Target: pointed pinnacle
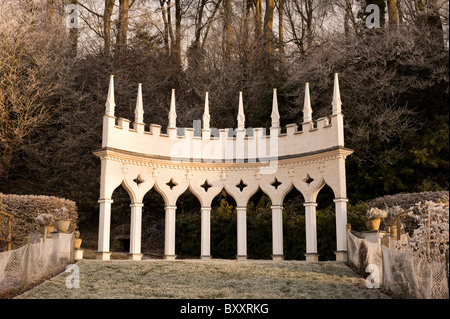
(275, 114)
(337, 103)
(139, 111)
(206, 116)
(241, 116)
(307, 110)
(110, 103)
(172, 112)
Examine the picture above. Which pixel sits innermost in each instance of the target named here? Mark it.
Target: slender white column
(311, 232)
(206, 233)
(169, 245)
(104, 229)
(277, 232)
(241, 232)
(135, 231)
(341, 226)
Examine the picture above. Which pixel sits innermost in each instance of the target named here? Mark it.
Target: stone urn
(77, 243)
(62, 225)
(373, 224)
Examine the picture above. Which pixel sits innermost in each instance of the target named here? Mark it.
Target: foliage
(44, 219)
(376, 213)
(432, 223)
(25, 208)
(61, 213)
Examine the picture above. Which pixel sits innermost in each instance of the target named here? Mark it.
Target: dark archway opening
(223, 226)
(294, 234)
(153, 217)
(326, 224)
(120, 221)
(259, 226)
(188, 226)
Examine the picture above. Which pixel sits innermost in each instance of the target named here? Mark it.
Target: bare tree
(33, 65)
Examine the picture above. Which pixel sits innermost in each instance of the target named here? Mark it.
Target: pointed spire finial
(241, 116)
(337, 104)
(206, 116)
(172, 112)
(275, 114)
(139, 111)
(110, 104)
(307, 110)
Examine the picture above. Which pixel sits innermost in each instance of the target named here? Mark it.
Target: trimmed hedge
(25, 208)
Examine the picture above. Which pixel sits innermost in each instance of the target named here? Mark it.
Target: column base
(135, 256)
(278, 257)
(170, 257)
(205, 257)
(241, 257)
(78, 254)
(103, 255)
(312, 257)
(341, 255)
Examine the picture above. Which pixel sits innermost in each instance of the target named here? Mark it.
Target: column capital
(241, 208)
(105, 200)
(276, 207)
(205, 208)
(340, 200)
(310, 204)
(170, 207)
(136, 205)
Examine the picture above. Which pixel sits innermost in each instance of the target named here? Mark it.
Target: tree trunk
(166, 27)
(227, 29)
(107, 13)
(178, 32)
(280, 25)
(50, 11)
(268, 25)
(73, 34)
(122, 29)
(392, 12)
(258, 19)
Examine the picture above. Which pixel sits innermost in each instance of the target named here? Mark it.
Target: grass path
(191, 279)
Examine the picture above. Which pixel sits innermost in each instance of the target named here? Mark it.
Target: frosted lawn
(192, 279)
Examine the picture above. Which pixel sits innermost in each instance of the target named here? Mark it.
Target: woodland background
(54, 77)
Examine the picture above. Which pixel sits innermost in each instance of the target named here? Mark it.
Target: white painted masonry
(306, 159)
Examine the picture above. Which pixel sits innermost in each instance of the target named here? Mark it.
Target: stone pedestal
(341, 255)
(62, 251)
(170, 257)
(135, 256)
(374, 236)
(78, 254)
(277, 257)
(312, 257)
(103, 255)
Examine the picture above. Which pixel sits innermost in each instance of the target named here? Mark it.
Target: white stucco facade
(305, 157)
